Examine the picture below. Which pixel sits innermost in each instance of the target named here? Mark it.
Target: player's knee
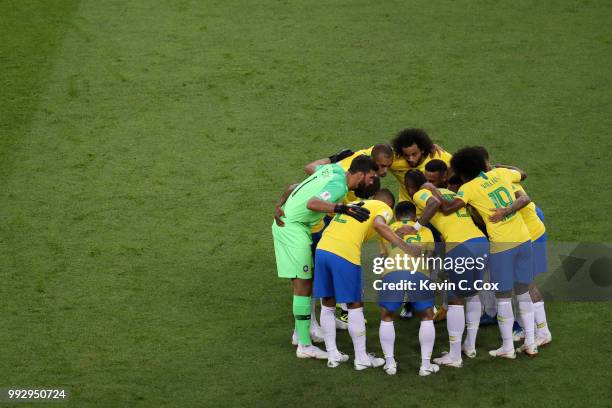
(328, 301)
(354, 305)
(386, 315)
(503, 294)
(520, 288)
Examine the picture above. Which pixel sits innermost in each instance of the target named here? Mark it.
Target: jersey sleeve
(464, 193)
(421, 197)
(384, 211)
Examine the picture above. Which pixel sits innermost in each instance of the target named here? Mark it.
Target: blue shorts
(540, 259)
(540, 213)
(336, 277)
(393, 299)
(512, 266)
(470, 261)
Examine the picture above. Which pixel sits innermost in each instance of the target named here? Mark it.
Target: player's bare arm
(312, 166)
(431, 208)
(278, 211)
(352, 210)
(334, 158)
(446, 207)
(522, 200)
(381, 227)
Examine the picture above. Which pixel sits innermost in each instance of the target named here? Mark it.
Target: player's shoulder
(422, 194)
(379, 208)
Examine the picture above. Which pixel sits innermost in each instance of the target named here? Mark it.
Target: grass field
(143, 145)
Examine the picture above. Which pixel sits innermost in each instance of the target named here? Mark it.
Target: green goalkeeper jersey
(327, 183)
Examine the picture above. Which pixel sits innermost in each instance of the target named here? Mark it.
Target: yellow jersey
(400, 167)
(424, 238)
(345, 235)
(530, 217)
(457, 227)
(493, 189)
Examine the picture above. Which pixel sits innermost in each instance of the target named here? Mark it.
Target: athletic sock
(328, 324)
(455, 324)
(386, 334)
(505, 321)
(427, 337)
(473, 309)
(540, 319)
(357, 330)
(526, 312)
(301, 313)
(313, 312)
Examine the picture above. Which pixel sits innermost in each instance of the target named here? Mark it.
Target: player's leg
(502, 273)
(540, 265)
(348, 287)
(389, 301)
(302, 291)
(386, 335)
(523, 278)
(427, 338)
(479, 248)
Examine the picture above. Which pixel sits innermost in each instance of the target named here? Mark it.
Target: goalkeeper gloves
(343, 154)
(353, 210)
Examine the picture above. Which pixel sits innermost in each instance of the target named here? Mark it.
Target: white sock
(473, 309)
(455, 323)
(357, 330)
(328, 325)
(313, 313)
(517, 315)
(540, 319)
(427, 337)
(386, 334)
(505, 320)
(487, 298)
(526, 312)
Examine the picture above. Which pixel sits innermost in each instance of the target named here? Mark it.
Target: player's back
(487, 192)
(328, 183)
(344, 235)
(530, 216)
(424, 237)
(454, 228)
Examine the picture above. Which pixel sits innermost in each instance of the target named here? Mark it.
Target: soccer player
(463, 241)
(413, 150)
(534, 220)
(338, 275)
(301, 207)
(511, 265)
(422, 301)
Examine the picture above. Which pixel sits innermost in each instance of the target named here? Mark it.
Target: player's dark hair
(468, 163)
(436, 166)
(382, 149)
(483, 152)
(404, 209)
(408, 137)
(368, 191)
(363, 164)
(416, 177)
(455, 180)
(386, 193)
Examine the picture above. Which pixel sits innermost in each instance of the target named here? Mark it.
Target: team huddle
(451, 208)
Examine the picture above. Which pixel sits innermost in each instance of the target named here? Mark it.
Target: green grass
(143, 145)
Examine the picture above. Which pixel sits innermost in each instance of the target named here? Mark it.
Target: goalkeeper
(301, 207)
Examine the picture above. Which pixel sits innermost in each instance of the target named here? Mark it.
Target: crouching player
(338, 275)
(301, 207)
(394, 286)
(467, 248)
